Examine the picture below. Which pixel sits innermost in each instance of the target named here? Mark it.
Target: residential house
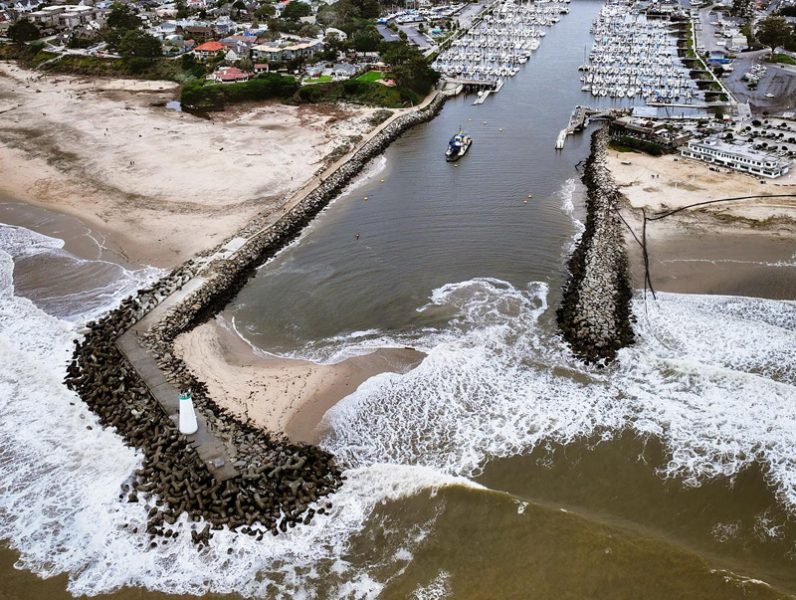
(229, 75)
(240, 44)
(66, 16)
(344, 71)
(200, 33)
(208, 49)
(333, 32)
(286, 48)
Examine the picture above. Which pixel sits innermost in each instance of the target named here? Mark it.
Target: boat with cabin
(458, 146)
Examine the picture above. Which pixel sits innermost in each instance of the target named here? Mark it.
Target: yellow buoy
(381, 180)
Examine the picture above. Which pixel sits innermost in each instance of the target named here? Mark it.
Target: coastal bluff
(253, 481)
(595, 317)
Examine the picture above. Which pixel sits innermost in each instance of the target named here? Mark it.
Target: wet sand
(716, 263)
(281, 395)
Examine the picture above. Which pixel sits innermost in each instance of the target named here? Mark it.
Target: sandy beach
(669, 182)
(741, 248)
(282, 395)
(160, 184)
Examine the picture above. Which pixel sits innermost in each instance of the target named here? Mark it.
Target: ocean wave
(65, 285)
(60, 502)
(711, 376)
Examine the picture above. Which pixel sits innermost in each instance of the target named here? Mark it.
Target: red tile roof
(210, 47)
(231, 74)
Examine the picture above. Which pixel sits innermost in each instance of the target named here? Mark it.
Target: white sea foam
(567, 195)
(109, 281)
(18, 241)
(438, 588)
(62, 474)
(713, 377)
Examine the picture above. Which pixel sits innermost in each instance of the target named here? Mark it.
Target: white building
(286, 48)
(735, 156)
(66, 16)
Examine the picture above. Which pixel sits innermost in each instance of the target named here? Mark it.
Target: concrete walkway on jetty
(211, 448)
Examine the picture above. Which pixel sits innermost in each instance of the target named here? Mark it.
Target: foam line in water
(713, 377)
(110, 282)
(62, 474)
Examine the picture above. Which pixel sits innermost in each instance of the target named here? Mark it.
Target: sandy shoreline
(161, 185)
(282, 395)
(743, 248)
(158, 186)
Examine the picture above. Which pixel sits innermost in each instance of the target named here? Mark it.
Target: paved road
(777, 81)
(415, 37)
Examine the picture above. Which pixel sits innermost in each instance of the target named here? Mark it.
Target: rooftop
(742, 150)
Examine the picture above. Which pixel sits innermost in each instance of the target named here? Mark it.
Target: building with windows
(66, 16)
(286, 48)
(736, 156)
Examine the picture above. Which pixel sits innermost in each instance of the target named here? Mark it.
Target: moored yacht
(458, 146)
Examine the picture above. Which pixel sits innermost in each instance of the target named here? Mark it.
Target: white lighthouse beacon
(188, 424)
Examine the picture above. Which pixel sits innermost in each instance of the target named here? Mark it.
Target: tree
(773, 31)
(368, 9)
(366, 40)
(295, 10)
(265, 10)
(410, 69)
(182, 9)
(742, 8)
(139, 44)
(239, 6)
(308, 30)
(121, 16)
(23, 31)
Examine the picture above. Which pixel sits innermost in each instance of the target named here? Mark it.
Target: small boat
(458, 146)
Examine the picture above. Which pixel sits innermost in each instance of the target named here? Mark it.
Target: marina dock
(582, 116)
(500, 41)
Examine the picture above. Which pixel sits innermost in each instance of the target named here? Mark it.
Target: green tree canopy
(773, 31)
(139, 44)
(366, 40)
(121, 16)
(295, 10)
(409, 67)
(182, 9)
(239, 6)
(341, 15)
(265, 10)
(23, 31)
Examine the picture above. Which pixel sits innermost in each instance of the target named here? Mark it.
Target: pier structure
(582, 116)
(145, 343)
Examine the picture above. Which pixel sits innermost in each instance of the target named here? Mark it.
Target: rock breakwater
(595, 317)
(279, 484)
